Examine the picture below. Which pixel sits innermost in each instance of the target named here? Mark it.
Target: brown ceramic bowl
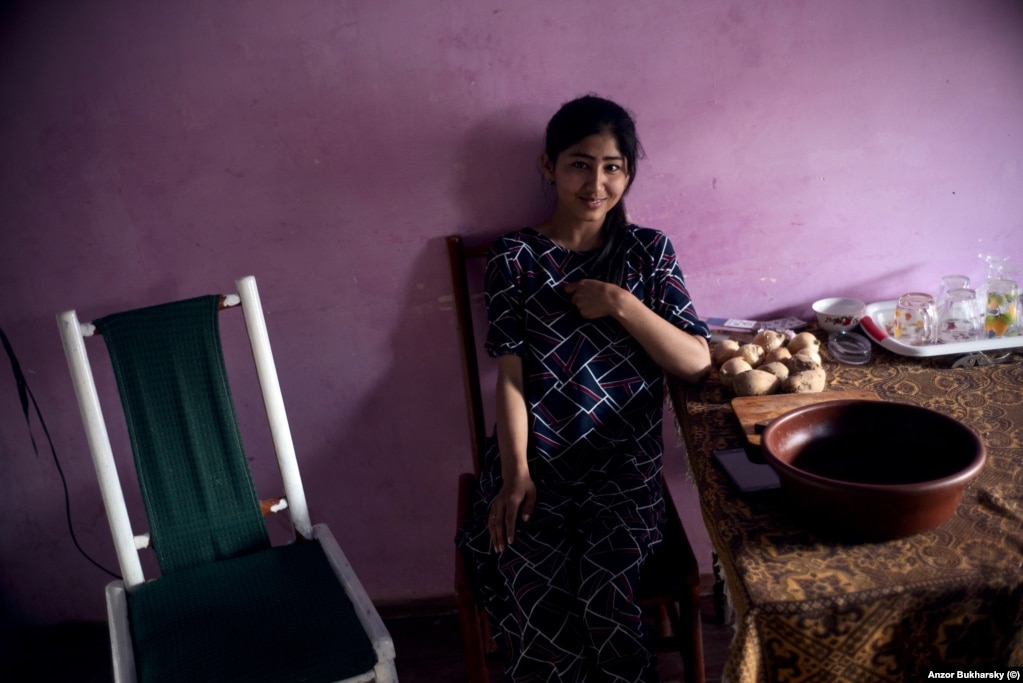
(869, 470)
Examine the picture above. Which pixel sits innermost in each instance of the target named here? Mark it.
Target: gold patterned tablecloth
(809, 609)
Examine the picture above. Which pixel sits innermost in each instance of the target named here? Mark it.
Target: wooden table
(811, 609)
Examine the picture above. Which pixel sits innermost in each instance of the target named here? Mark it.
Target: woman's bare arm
(517, 496)
(681, 354)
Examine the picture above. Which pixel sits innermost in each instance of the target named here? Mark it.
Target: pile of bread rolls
(771, 363)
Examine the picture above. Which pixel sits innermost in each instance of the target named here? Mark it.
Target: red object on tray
(872, 328)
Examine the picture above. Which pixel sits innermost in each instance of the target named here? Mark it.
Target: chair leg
(472, 641)
(689, 637)
(386, 672)
(696, 662)
(120, 633)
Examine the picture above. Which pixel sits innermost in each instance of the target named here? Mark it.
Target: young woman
(587, 312)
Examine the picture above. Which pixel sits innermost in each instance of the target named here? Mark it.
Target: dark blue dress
(561, 597)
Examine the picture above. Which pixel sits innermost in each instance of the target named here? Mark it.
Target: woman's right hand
(514, 501)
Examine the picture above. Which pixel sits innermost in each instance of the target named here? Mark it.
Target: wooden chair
(227, 605)
(670, 590)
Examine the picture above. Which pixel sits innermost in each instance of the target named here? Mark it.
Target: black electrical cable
(25, 395)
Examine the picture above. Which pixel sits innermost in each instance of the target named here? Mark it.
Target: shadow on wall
(501, 189)
(890, 286)
(498, 188)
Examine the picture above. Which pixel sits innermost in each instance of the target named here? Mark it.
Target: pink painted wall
(159, 150)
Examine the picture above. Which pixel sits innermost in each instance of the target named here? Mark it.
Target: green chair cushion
(276, 615)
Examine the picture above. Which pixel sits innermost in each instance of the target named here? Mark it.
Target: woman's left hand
(594, 298)
(681, 354)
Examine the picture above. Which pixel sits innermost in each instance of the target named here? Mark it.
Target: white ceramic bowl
(838, 314)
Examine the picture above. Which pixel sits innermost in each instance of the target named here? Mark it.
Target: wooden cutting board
(753, 409)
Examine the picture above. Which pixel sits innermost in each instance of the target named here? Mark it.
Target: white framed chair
(227, 605)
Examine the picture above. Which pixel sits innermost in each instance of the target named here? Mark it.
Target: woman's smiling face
(590, 178)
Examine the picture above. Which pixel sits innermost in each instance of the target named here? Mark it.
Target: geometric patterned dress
(561, 598)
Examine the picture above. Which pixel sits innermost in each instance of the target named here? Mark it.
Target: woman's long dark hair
(581, 118)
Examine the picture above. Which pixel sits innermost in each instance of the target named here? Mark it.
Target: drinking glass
(960, 316)
(948, 283)
(1002, 315)
(916, 319)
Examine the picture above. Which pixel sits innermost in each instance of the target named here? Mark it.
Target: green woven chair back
(195, 482)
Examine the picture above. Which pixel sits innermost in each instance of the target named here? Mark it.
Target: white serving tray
(878, 317)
